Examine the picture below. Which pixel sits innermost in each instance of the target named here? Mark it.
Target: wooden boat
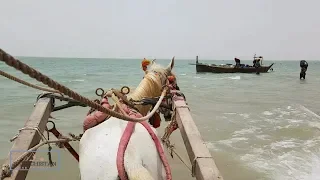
(229, 68)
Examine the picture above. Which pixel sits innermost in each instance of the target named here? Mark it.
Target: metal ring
(102, 92)
(125, 87)
(54, 126)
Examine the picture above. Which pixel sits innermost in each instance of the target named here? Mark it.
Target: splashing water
(282, 143)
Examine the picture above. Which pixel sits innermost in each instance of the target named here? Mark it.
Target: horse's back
(99, 146)
(98, 152)
(145, 147)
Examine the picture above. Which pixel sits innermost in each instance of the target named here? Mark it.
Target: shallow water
(256, 126)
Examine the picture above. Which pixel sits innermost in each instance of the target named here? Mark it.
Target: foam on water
(245, 115)
(234, 77)
(282, 143)
(78, 80)
(216, 78)
(241, 132)
(315, 125)
(230, 113)
(267, 113)
(309, 111)
(74, 80)
(286, 166)
(290, 143)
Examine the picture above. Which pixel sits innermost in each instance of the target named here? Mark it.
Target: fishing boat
(108, 126)
(230, 68)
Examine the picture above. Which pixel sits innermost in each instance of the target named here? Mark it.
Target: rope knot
(5, 171)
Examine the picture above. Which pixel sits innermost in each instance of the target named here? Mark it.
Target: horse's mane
(151, 85)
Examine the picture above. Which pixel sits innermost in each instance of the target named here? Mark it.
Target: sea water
(256, 126)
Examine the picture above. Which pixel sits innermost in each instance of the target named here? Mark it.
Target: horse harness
(165, 109)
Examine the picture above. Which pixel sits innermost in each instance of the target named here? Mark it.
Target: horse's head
(152, 83)
(161, 73)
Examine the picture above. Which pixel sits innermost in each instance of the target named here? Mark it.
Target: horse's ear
(170, 66)
(153, 61)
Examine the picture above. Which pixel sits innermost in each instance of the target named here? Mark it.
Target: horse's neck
(148, 87)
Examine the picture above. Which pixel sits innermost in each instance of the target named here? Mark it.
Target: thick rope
(26, 83)
(124, 141)
(11, 61)
(160, 150)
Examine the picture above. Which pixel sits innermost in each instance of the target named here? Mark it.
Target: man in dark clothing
(237, 62)
(304, 67)
(257, 65)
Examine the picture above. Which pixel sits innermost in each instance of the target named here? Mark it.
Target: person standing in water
(304, 67)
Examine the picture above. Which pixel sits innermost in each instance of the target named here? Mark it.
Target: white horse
(99, 145)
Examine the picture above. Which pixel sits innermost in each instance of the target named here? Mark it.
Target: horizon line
(131, 58)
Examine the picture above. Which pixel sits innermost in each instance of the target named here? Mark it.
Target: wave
(215, 78)
(234, 77)
(282, 143)
(78, 80)
(74, 80)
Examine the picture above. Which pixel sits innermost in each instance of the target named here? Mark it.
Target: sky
(211, 29)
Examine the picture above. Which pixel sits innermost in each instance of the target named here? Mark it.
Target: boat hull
(229, 69)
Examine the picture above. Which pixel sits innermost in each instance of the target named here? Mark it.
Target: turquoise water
(262, 126)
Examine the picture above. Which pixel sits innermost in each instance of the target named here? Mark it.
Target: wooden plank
(29, 138)
(199, 155)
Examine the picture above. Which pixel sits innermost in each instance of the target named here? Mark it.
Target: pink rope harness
(98, 117)
(124, 143)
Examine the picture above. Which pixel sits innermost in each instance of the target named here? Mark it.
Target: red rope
(125, 138)
(122, 148)
(160, 150)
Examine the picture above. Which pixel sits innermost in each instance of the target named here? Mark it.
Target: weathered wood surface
(29, 138)
(199, 155)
